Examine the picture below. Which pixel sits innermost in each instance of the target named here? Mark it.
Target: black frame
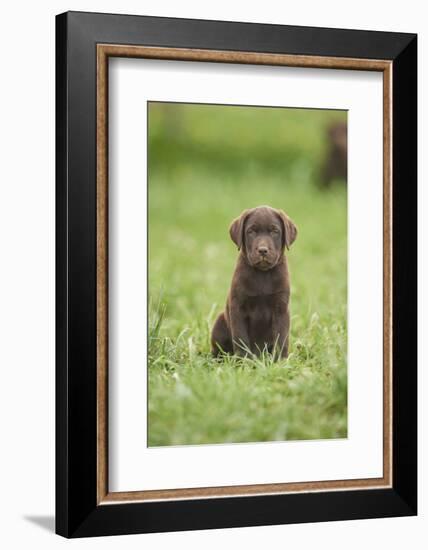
(77, 513)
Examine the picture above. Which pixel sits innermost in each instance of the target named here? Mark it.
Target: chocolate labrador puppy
(257, 315)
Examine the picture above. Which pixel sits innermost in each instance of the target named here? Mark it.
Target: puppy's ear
(289, 230)
(236, 229)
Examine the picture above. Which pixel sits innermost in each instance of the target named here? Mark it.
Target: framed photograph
(236, 274)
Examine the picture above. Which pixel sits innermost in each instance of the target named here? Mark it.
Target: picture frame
(84, 44)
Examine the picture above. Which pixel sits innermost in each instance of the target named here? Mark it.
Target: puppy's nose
(263, 250)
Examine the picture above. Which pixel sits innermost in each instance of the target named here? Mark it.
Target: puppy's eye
(250, 231)
(274, 230)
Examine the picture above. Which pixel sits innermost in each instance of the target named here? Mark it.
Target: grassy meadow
(206, 165)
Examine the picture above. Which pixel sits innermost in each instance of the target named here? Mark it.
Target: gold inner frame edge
(104, 51)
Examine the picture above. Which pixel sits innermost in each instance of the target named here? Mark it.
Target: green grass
(194, 399)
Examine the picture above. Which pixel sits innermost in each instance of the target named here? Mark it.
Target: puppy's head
(262, 233)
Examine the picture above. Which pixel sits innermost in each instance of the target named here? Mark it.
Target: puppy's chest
(262, 308)
(263, 286)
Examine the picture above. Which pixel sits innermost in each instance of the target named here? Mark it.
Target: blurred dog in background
(335, 166)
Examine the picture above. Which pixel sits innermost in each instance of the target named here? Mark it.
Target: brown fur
(336, 163)
(257, 315)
